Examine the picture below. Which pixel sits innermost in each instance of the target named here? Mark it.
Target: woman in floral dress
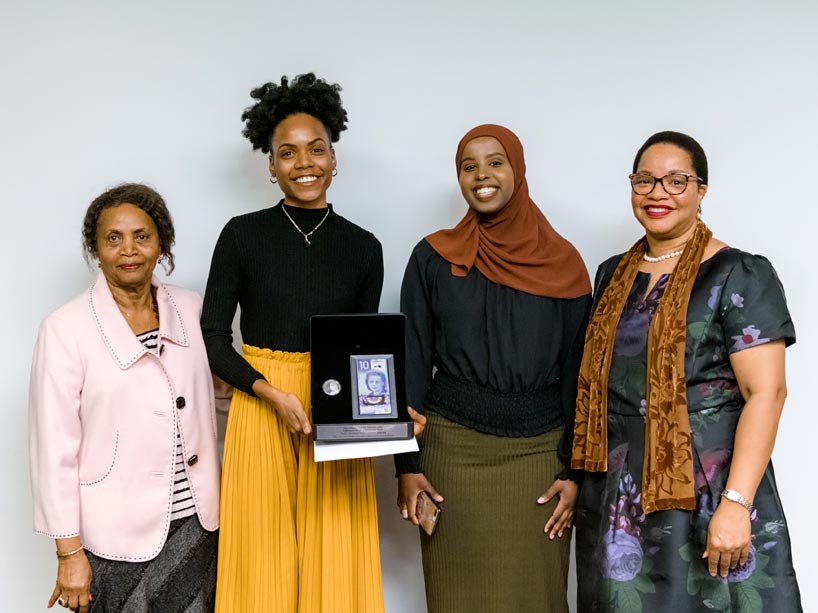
(681, 389)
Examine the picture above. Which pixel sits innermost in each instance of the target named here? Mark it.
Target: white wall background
(94, 93)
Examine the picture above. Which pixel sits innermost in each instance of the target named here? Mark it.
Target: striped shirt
(182, 505)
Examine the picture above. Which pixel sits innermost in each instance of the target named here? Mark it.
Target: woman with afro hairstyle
(296, 535)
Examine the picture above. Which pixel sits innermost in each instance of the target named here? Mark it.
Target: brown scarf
(516, 246)
(667, 480)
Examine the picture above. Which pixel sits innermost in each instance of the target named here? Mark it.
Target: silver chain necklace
(306, 236)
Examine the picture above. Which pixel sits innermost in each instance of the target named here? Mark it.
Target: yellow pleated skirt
(296, 536)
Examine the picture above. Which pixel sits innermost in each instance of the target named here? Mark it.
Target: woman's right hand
(409, 486)
(73, 589)
(286, 404)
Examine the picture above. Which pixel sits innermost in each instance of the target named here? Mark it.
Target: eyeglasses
(674, 183)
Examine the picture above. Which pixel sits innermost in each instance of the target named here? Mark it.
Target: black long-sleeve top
(261, 264)
(491, 346)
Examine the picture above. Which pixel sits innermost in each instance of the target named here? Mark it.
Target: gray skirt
(489, 552)
(181, 579)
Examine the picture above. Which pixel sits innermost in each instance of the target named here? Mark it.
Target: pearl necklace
(306, 236)
(661, 258)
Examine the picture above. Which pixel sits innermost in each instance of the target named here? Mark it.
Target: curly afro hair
(140, 196)
(304, 94)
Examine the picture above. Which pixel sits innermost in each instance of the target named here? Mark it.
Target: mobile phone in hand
(427, 512)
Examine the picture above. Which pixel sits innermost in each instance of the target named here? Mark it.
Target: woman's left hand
(563, 515)
(419, 420)
(728, 539)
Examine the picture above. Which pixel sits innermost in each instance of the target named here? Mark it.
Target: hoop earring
(273, 179)
(334, 172)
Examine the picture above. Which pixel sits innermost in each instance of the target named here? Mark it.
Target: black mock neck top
(261, 264)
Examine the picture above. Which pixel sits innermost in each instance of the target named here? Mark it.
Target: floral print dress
(632, 562)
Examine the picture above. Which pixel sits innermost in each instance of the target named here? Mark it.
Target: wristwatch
(734, 496)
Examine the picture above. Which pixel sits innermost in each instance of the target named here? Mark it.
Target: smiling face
(127, 246)
(375, 382)
(665, 216)
(302, 160)
(485, 175)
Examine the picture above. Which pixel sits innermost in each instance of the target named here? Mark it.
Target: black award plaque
(358, 388)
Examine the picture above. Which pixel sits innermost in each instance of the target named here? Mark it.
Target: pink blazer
(103, 417)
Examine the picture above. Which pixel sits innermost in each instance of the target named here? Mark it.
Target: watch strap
(738, 497)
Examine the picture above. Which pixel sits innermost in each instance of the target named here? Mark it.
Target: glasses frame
(662, 181)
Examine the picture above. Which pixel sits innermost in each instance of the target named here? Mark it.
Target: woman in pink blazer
(124, 463)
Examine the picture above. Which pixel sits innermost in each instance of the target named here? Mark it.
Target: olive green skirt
(489, 553)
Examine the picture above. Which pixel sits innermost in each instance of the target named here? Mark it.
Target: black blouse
(261, 264)
(492, 340)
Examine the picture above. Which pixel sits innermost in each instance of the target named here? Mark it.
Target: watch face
(734, 496)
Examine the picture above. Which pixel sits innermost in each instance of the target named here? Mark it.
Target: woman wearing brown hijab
(496, 308)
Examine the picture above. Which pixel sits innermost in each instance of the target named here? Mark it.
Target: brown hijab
(516, 246)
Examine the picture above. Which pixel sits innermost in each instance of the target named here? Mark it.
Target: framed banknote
(373, 382)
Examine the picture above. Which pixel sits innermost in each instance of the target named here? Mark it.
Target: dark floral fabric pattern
(633, 562)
